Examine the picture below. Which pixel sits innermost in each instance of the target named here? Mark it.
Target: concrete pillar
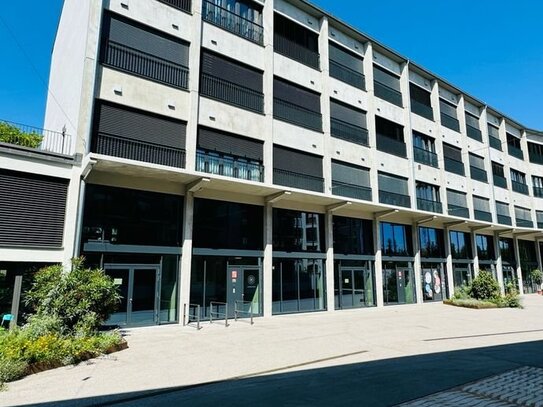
(267, 18)
(329, 261)
(370, 118)
(378, 263)
(325, 107)
(519, 269)
(16, 300)
(186, 258)
(448, 254)
(499, 263)
(267, 265)
(417, 267)
(538, 255)
(473, 241)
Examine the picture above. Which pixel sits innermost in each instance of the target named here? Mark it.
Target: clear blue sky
(493, 49)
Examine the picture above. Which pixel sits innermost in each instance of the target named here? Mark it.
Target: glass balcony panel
(351, 191)
(429, 206)
(348, 132)
(296, 180)
(391, 198)
(425, 157)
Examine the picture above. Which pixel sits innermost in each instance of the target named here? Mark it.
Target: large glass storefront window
(396, 240)
(298, 285)
(353, 236)
(507, 252)
(485, 247)
(398, 283)
(431, 243)
(295, 231)
(354, 285)
(528, 262)
(460, 245)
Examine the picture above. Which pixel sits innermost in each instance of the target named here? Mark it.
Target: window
(421, 103)
(353, 236)
(387, 85)
(457, 204)
(494, 137)
(396, 240)
(428, 198)
(460, 245)
(393, 190)
(431, 243)
(539, 217)
(485, 247)
(472, 127)
(502, 211)
(513, 146)
(239, 17)
(477, 168)
(351, 181)
(498, 175)
(390, 137)
(297, 169)
(295, 231)
(453, 159)
(346, 66)
(449, 116)
(481, 207)
(523, 217)
(295, 41)
(296, 105)
(538, 186)
(507, 250)
(518, 181)
(348, 123)
(424, 150)
(535, 152)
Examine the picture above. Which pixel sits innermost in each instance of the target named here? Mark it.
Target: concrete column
(267, 18)
(325, 106)
(538, 255)
(499, 263)
(417, 267)
(267, 265)
(475, 253)
(186, 258)
(329, 262)
(519, 269)
(16, 300)
(448, 254)
(370, 119)
(378, 263)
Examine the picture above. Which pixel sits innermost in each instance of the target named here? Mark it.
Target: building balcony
(183, 5)
(474, 133)
(347, 75)
(515, 152)
(385, 92)
(231, 93)
(422, 110)
(138, 63)
(536, 158)
(230, 21)
(456, 210)
(524, 223)
(500, 181)
(538, 192)
(495, 143)
(482, 215)
(391, 198)
(229, 166)
(429, 206)
(297, 180)
(35, 138)
(351, 191)
(426, 157)
(450, 122)
(346, 131)
(478, 174)
(520, 187)
(295, 51)
(297, 115)
(456, 167)
(391, 146)
(504, 220)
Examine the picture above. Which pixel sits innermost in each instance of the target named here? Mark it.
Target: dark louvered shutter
(350, 174)
(228, 70)
(230, 144)
(348, 114)
(346, 58)
(297, 161)
(452, 152)
(296, 95)
(32, 209)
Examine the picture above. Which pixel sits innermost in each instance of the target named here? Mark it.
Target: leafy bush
(462, 292)
(11, 369)
(79, 300)
(536, 277)
(13, 135)
(484, 287)
(471, 303)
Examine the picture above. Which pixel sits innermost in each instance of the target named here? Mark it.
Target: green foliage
(13, 135)
(471, 303)
(536, 276)
(462, 292)
(11, 370)
(79, 300)
(484, 287)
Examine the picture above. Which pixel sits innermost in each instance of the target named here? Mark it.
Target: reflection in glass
(431, 243)
(396, 240)
(398, 283)
(295, 231)
(353, 236)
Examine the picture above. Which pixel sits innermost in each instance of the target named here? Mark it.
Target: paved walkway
(370, 357)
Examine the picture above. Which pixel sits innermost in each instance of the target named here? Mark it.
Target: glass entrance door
(352, 287)
(398, 285)
(139, 288)
(243, 288)
(433, 283)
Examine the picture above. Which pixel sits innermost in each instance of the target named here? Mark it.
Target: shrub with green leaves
(484, 287)
(13, 135)
(536, 277)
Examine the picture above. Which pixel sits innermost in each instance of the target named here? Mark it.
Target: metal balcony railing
(504, 220)
(524, 223)
(145, 65)
(293, 50)
(478, 174)
(515, 152)
(520, 187)
(138, 150)
(391, 146)
(229, 166)
(392, 198)
(474, 133)
(295, 114)
(183, 5)
(454, 166)
(36, 138)
(346, 131)
(429, 206)
(456, 210)
(482, 215)
(347, 75)
(231, 93)
(535, 158)
(495, 143)
(422, 110)
(500, 181)
(538, 192)
(385, 92)
(425, 157)
(230, 21)
(297, 180)
(351, 190)
(450, 122)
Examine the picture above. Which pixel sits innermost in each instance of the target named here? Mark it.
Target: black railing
(297, 180)
(346, 131)
(474, 133)
(429, 206)
(392, 198)
(295, 114)
(293, 50)
(515, 151)
(231, 93)
(520, 187)
(145, 65)
(504, 220)
(454, 166)
(347, 75)
(425, 157)
(235, 167)
(535, 158)
(450, 122)
(456, 210)
(482, 215)
(183, 5)
(138, 150)
(500, 181)
(495, 143)
(391, 146)
(230, 21)
(478, 174)
(33, 137)
(422, 110)
(524, 223)
(351, 190)
(538, 192)
(385, 92)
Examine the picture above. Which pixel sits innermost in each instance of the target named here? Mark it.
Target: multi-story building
(245, 153)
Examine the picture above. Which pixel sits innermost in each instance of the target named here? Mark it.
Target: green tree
(484, 287)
